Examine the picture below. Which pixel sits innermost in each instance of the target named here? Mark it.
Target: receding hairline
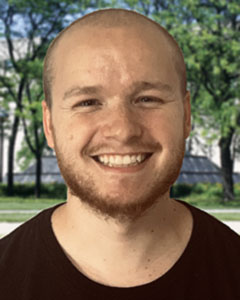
(108, 18)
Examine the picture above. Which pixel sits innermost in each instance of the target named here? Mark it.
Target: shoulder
(214, 233)
(25, 238)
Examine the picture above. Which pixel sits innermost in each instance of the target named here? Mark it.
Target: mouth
(122, 161)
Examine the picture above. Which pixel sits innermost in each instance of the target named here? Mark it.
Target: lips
(126, 170)
(111, 162)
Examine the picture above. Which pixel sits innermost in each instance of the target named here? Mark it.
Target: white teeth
(119, 160)
(105, 159)
(133, 159)
(111, 160)
(139, 157)
(101, 158)
(126, 160)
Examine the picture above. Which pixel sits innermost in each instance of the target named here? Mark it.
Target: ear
(187, 115)
(47, 124)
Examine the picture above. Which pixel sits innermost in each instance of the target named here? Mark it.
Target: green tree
(210, 37)
(26, 28)
(208, 31)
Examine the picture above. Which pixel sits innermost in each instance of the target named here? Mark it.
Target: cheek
(168, 129)
(76, 134)
(71, 133)
(70, 137)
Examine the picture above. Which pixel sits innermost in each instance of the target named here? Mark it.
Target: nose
(122, 124)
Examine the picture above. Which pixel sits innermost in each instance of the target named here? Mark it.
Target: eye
(86, 103)
(147, 99)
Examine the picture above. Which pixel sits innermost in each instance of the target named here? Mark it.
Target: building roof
(195, 169)
(50, 172)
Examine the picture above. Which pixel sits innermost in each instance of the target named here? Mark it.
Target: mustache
(125, 148)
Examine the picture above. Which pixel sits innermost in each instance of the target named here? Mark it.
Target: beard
(81, 184)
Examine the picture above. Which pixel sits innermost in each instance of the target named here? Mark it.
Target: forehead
(119, 53)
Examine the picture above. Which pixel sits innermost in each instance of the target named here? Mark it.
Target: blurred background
(208, 32)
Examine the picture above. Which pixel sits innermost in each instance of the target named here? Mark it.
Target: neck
(94, 242)
(158, 217)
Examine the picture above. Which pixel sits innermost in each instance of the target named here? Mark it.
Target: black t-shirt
(34, 266)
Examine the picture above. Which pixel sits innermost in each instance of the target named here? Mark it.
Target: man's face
(122, 115)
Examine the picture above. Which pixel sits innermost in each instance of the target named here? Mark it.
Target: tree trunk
(11, 149)
(1, 150)
(38, 175)
(227, 166)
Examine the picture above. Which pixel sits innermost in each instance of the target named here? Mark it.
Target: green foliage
(204, 194)
(51, 190)
(181, 190)
(209, 190)
(208, 33)
(24, 156)
(34, 23)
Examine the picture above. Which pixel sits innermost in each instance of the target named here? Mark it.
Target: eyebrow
(136, 87)
(145, 85)
(81, 90)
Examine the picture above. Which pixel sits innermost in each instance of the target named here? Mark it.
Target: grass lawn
(227, 216)
(15, 203)
(15, 217)
(206, 203)
(22, 217)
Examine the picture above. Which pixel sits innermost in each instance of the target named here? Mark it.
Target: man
(117, 114)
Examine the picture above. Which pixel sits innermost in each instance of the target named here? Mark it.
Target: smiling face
(116, 91)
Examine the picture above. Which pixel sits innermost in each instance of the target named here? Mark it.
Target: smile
(122, 160)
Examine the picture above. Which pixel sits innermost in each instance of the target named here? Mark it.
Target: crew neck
(164, 283)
